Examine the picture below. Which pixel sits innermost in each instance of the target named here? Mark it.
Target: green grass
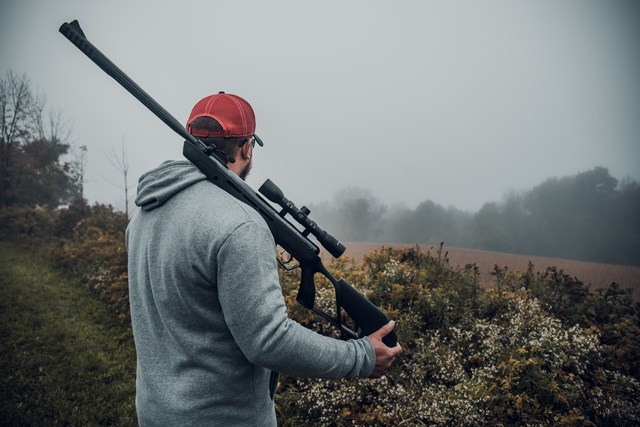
(64, 358)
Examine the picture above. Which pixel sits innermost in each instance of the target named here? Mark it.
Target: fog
(457, 102)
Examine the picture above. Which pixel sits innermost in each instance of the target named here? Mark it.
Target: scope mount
(272, 192)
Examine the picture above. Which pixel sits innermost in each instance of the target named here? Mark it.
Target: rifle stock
(212, 163)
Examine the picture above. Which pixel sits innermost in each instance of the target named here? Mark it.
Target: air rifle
(212, 162)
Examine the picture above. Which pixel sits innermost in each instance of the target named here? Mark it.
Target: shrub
(85, 241)
(20, 222)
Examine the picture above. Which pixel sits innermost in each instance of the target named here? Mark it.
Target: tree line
(590, 216)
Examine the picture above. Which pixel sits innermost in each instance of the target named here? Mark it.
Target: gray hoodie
(209, 319)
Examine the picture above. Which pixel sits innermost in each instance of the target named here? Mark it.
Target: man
(209, 319)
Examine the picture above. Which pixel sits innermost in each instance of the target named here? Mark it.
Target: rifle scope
(330, 243)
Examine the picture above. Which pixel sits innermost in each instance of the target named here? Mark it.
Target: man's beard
(245, 172)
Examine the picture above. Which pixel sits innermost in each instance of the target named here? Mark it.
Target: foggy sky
(451, 101)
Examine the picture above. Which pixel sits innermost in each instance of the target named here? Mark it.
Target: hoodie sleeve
(255, 312)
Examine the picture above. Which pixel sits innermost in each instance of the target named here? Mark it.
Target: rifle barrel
(74, 33)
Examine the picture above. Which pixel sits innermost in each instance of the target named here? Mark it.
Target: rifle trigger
(284, 265)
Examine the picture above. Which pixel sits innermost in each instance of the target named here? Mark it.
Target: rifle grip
(366, 315)
(307, 292)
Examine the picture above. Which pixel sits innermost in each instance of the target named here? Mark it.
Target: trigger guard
(284, 265)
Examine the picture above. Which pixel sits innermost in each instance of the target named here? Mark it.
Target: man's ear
(245, 150)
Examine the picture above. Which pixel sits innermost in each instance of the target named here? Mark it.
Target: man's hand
(384, 355)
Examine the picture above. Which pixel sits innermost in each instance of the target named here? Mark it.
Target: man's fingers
(384, 331)
(384, 355)
(396, 351)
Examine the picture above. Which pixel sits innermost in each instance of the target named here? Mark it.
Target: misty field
(590, 273)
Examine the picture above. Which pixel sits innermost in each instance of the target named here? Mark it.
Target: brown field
(594, 274)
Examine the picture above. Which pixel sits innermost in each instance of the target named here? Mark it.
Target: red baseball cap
(234, 114)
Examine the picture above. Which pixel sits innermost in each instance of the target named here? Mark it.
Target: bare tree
(59, 129)
(122, 165)
(79, 169)
(15, 107)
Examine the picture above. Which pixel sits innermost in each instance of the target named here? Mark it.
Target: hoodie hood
(160, 184)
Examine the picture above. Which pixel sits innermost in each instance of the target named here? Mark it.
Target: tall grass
(65, 359)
